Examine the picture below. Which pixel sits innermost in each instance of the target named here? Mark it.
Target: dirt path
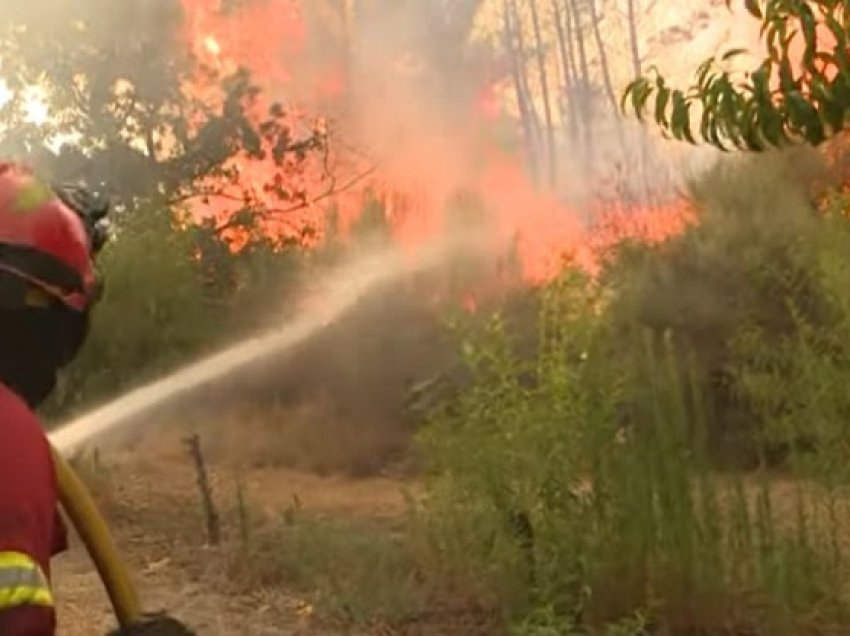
(152, 505)
(84, 609)
(193, 595)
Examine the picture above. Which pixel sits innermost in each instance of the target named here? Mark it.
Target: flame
(415, 163)
(212, 46)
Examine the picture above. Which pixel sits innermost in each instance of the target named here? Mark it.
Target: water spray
(343, 290)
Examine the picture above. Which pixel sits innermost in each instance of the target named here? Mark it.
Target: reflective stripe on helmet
(40, 266)
(77, 301)
(51, 275)
(22, 582)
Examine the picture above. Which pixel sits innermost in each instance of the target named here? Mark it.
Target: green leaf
(662, 98)
(752, 6)
(716, 137)
(702, 73)
(679, 120)
(727, 102)
(638, 92)
(705, 126)
(809, 29)
(836, 109)
(787, 81)
(805, 118)
(750, 138)
(711, 96)
(728, 55)
(820, 89)
(772, 126)
(770, 37)
(833, 115)
(761, 82)
(688, 133)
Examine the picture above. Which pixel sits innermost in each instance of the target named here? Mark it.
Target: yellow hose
(82, 511)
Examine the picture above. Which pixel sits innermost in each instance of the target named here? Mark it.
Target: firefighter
(48, 239)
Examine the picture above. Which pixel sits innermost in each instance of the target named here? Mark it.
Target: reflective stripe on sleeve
(22, 582)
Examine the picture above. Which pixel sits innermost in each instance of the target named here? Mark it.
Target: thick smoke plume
(416, 101)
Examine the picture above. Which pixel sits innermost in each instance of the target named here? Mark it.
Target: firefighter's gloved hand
(155, 625)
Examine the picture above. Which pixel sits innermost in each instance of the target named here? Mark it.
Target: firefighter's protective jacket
(31, 530)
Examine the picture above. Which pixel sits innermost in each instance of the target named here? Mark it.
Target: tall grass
(618, 519)
(578, 488)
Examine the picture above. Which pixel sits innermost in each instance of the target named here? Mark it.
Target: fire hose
(82, 512)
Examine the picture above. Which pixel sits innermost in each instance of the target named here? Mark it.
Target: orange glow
(212, 46)
(421, 163)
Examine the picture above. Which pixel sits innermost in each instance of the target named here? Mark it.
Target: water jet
(341, 292)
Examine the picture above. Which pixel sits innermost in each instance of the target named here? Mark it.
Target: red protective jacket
(31, 530)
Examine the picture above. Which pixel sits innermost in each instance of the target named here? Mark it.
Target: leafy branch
(781, 102)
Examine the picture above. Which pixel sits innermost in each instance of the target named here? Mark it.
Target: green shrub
(739, 291)
(576, 514)
(352, 571)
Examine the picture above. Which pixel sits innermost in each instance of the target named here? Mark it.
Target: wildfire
(419, 167)
(212, 46)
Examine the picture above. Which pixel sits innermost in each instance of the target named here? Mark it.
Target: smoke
(341, 291)
(419, 100)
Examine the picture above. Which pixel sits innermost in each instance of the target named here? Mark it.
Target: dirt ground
(150, 497)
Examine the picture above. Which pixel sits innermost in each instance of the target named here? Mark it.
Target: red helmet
(44, 239)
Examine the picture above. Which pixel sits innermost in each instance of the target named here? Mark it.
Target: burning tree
(128, 99)
(142, 98)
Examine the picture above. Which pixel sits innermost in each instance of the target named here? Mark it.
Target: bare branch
(205, 194)
(333, 190)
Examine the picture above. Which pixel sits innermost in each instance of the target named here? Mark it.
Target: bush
(355, 572)
(740, 291)
(577, 520)
(576, 484)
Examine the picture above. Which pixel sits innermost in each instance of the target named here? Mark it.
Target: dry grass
(309, 438)
(338, 552)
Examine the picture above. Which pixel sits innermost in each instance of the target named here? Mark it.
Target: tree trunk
(583, 83)
(633, 39)
(578, 34)
(519, 35)
(603, 56)
(544, 87)
(644, 151)
(595, 19)
(520, 89)
(568, 70)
